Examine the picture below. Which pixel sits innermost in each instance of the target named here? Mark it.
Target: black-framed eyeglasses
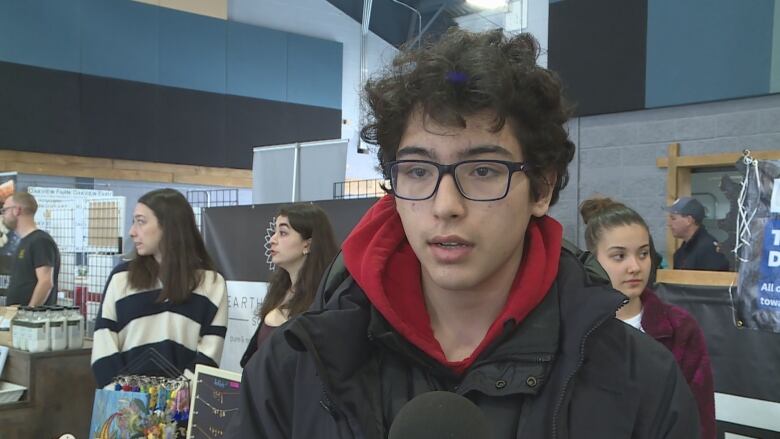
(6, 208)
(477, 180)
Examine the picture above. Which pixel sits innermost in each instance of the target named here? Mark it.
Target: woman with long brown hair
(302, 246)
(169, 297)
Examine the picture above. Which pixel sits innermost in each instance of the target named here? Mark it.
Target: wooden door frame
(678, 184)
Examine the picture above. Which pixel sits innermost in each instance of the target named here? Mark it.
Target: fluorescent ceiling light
(488, 4)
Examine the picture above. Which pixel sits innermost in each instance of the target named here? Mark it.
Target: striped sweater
(130, 323)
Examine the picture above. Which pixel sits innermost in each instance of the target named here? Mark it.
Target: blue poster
(769, 270)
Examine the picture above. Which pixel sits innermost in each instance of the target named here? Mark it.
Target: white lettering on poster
(774, 205)
(774, 258)
(769, 287)
(244, 299)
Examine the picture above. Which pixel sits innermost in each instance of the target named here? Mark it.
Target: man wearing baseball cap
(699, 250)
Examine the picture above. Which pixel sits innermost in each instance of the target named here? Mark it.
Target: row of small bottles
(47, 328)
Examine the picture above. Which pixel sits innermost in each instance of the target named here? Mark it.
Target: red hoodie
(380, 259)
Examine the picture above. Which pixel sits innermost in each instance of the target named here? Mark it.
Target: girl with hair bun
(621, 242)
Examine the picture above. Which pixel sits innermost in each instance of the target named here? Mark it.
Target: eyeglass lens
(476, 180)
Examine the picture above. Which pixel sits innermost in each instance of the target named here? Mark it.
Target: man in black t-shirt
(36, 264)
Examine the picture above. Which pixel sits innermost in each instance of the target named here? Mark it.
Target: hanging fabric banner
(757, 301)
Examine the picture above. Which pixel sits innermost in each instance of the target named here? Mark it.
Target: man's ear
(540, 206)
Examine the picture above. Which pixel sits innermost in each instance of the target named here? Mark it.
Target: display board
(214, 401)
(298, 171)
(81, 220)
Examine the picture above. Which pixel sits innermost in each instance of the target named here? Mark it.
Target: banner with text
(244, 299)
(757, 301)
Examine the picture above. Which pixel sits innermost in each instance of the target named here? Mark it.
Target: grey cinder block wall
(616, 153)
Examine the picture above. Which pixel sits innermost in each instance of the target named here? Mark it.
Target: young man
(36, 265)
(457, 281)
(699, 250)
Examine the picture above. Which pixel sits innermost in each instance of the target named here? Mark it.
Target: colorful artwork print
(119, 415)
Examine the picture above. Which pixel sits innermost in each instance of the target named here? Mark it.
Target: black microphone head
(444, 415)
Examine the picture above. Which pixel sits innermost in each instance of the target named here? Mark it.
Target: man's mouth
(450, 241)
(450, 249)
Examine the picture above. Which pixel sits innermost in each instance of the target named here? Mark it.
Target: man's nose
(448, 202)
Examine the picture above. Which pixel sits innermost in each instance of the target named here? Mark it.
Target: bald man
(36, 264)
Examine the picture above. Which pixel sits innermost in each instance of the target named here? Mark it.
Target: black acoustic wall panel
(52, 111)
(258, 122)
(39, 109)
(192, 125)
(118, 118)
(598, 47)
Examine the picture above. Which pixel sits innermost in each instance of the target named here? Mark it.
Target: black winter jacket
(700, 253)
(569, 370)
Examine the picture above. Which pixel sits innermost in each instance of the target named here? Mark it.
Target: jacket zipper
(558, 405)
(328, 405)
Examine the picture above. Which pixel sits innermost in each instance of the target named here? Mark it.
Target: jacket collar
(520, 363)
(655, 318)
(341, 334)
(336, 334)
(697, 235)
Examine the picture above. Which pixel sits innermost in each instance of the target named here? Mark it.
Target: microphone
(444, 415)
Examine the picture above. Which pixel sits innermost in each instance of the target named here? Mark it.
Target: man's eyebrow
(485, 149)
(415, 150)
(465, 154)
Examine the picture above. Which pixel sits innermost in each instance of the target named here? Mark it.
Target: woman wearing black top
(302, 246)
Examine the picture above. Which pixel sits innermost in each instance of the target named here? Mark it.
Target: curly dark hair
(465, 73)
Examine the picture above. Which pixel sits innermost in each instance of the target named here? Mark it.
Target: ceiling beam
(427, 6)
(442, 7)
